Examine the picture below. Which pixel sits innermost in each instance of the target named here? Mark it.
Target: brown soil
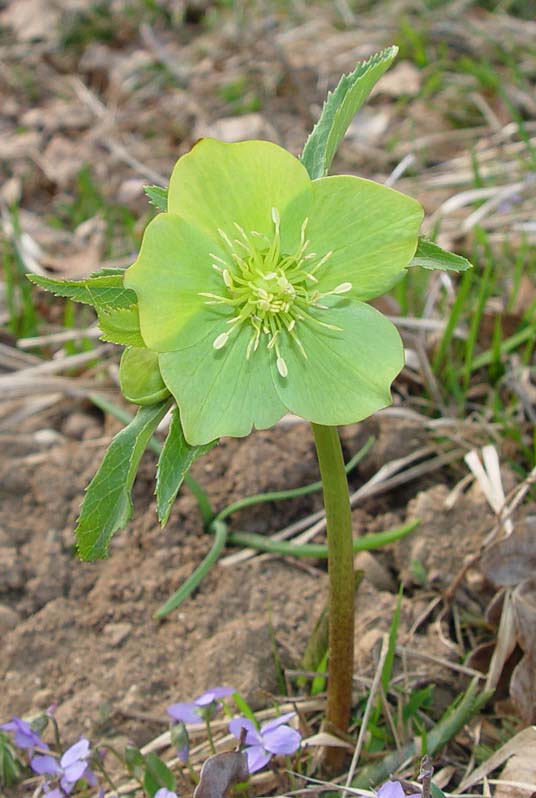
(82, 635)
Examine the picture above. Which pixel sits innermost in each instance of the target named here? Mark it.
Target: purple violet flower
(72, 767)
(164, 793)
(203, 707)
(23, 734)
(274, 737)
(394, 789)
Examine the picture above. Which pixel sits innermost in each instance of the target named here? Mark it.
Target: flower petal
(217, 185)
(220, 391)
(77, 752)
(370, 229)
(73, 772)
(347, 375)
(391, 789)
(211, 695)
(279, 721)
(174, 266)
(252, 733)
(257, 758)
(44, 764)
(185, 712)
(282, 740)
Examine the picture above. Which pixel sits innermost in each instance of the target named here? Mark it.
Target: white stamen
(220, 341)
(225, 237)
(276, 219)
(227, 279)
(282, 367)
(343, 288)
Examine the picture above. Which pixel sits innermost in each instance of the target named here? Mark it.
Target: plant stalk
(341, 587)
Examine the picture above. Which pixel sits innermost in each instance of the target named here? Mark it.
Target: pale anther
(220, 341)
(282, 367)
(343, 288)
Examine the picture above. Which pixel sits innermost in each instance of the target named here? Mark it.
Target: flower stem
(341, 586)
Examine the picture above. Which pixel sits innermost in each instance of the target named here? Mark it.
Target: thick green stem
(341, 583)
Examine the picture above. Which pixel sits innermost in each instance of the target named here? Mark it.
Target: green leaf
(340, 108)
(121, 326)
(436, 791)
(104, 291)
(107, 505)
(134, 761)
(432, 256)
(157, 775)
(174, 463)
(157, 196)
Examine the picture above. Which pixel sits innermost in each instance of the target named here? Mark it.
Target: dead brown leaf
(220, 772)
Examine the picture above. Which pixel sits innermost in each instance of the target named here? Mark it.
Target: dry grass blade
(520, 740)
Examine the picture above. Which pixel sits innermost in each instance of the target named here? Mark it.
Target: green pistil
(269, 289)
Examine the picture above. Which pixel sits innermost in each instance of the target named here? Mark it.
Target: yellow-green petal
(347, 375)
(217, 185)
(370, 229)
(220, 392)
(173, 269)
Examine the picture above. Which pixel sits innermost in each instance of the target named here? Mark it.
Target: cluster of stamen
(270, 290)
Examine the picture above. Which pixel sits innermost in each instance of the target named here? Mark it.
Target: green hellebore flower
(253, 287)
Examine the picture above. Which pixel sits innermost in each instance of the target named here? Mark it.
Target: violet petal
(282, 740)
(187, 712)
(253, 736)
(391, 789)
(76, 753)
(273, 724)
(257, 758)
(44, 764)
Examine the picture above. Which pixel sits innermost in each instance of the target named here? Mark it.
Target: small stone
(47, 437)
(117, 633)
(42, 698)
(8, 619)
(11, 570)
(80, 426)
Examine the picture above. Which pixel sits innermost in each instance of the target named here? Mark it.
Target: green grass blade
(319, 551)
(193, 581)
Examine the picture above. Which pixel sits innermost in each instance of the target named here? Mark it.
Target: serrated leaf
(157, 775)
(157, 196)
(339, 109)
(431, 256)
(175, 461)
(121, 326)
(105, 291)
(108, 271)
(107, 505)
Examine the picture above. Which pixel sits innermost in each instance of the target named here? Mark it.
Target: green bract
(253, 288)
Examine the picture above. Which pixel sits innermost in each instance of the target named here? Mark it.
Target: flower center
(268, 289)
